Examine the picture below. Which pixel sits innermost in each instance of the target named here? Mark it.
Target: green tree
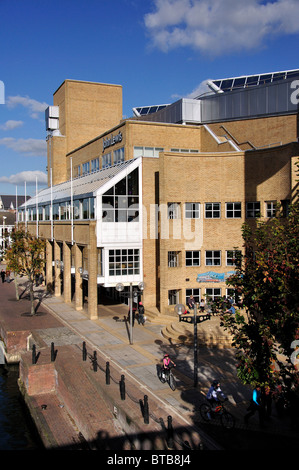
(266, 329)
(25, 256)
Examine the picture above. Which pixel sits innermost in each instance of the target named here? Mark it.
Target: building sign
(211, 276)
(114, 139)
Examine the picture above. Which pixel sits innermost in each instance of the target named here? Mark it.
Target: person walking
(141, 314)
(3, 275)
(255, 405)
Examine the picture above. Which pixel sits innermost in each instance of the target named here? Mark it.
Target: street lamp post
(180, 309)
(120, 287)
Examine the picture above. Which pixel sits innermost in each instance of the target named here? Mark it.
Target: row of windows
(193, 258)
(209, 292)
(118, 156)
(233, 210)
(108, 159)
(82, 209)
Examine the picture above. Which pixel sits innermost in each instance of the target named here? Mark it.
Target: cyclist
(214, 393)
(167, 364)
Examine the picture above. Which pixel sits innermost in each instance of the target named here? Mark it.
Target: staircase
(209, 333)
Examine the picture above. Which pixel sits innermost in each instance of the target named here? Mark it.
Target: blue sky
(158, 50)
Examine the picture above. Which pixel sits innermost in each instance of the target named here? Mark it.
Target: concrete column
(49, 266)
(78, 279)
(57, 270)
(92, 273)
(67, 277)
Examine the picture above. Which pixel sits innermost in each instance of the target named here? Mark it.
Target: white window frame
(236, 212)
(213, 257)
(215, 210)
(193, 258)
(192, 212)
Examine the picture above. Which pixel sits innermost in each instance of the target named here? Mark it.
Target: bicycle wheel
(171, 382)
(227, 420)
(205, 411)
(161, 377)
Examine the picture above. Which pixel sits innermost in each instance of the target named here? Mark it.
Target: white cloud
(220, 26)
(26, 176)
(31, 147)
(10, 125)
(35, 107)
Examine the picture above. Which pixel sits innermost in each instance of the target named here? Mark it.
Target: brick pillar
(49, 266)
(57, 270)
(78, 278)
(92, 273)
(67, 277)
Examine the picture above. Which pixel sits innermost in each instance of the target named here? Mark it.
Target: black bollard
(95, 362)
(107, 373)
(52, 352)
(34, 354)
(145, 410)
(169, 432)
(122, 388)
(84, 351)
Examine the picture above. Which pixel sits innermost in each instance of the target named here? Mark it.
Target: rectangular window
(270, 209)
(213, 292)
(173, 296)
(195, 293)
(119, 155)
(192, 210)
(85, 168)
(285, 204)
(147, 152)
(124, 262)
(95, 164)
(173, 210)
(55, 211)
(212, 210)
(88, 208)
(213, 258)
(233, 210)
(173, 259)
(77, 209)
(253, 209)
(192, 258)
(232, 257)
(106, 160)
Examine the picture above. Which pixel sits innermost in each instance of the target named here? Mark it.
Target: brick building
(160, 198)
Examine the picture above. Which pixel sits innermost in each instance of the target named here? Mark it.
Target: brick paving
(85, 412)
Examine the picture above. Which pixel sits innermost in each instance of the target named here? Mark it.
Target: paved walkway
(109, 336)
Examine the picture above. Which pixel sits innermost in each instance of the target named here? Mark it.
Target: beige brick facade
(190, 166)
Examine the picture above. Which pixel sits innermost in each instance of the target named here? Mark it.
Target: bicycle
(226, 418)
(167, 376)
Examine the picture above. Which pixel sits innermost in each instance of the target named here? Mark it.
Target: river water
(17, 431)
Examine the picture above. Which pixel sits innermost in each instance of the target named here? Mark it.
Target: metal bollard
(52, 352)
(95, 362)
(169, 432)
(107, 373)
(34, 354)
(145, 410)
(84, 351)
(122, 388)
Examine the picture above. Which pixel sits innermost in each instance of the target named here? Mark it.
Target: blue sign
(211, 276)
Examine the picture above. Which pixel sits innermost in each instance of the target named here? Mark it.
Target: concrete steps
(209, 333)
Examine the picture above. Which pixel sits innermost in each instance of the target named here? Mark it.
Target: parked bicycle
(220, 412)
